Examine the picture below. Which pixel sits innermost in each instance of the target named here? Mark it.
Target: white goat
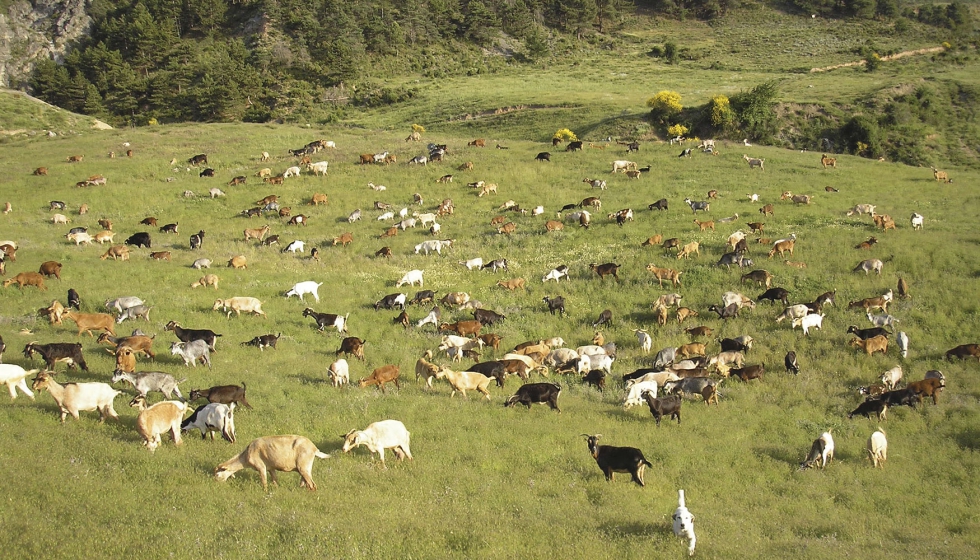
(891, 377)
(302, 288)
(917, 220)
(339, 372)
(473, 264)
(410, 278)
(15, 377)
(645, 340)
(73, 398)
(378, 436)
(878, 448)
(903, 343)
(811, 321)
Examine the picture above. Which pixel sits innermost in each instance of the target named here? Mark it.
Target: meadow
(491, 481)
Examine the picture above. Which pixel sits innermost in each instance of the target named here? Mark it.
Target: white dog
(684, 523)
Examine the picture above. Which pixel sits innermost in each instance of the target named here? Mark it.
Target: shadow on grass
(969, 439)
(779, 454)
(636, 529)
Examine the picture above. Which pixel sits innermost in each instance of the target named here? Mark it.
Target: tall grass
(489, 481)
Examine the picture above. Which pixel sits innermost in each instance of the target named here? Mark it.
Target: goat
(543, 393)
(868, 265)
(148, 381)
(378, 436)
(930, 387)
(666, 406)
(225, 394)
(662, 274)
(239, 304)
(871, 345)
(964, 351)
(465, 380)
(192, 351)
(821, 452)
(384, 374)
(211, 418)
(14, 377)
(754, 162)
(302, 288)
(352, 346)
(878, 448)
(187, 335)
(809, 321)
(556, 303)
(613, 459)
(269, 454)
(264, 341)
(75, 397)
(71, 353)
(155, 420)
(339, 372)
(606, 269)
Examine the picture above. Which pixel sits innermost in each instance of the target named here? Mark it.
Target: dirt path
(884, 58)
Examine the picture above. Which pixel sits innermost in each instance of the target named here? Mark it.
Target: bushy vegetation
(488, 481)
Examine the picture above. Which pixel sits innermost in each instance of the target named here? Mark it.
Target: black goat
(187, 335)
(728, 312)
(556, 303)
(791, 363)
(70, 352)
(495, 370)
(264, 341)
(224, 394)
(613, 459)
(865, 334)
(877, 407)
(74, 301)
(604, 317)
(542, 393)
(664, 406)
(596, 378)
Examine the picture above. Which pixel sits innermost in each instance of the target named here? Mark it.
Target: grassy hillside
(23, 115)
(487, 480)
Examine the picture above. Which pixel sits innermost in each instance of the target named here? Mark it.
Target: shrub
(665, 104)
(565, 134)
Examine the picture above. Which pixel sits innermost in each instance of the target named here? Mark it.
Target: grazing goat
(211, 418)
(71, 353)
(378, 436)
(269, 454)
(384, 374)
(542, 393)
(821, 452)
(187, 335)
(613, 459)
(964, 351)
(755, 162)
(302, 288)
(868, 265)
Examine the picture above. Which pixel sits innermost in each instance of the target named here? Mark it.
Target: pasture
(486, 480)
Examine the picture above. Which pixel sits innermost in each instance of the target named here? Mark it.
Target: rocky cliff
(35, 30)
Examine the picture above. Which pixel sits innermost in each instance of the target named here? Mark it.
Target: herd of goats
(674, 371)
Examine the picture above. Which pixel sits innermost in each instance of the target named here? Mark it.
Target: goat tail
(680, 498)
(322, 455)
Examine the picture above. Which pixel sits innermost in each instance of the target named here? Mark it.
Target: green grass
(489, 481)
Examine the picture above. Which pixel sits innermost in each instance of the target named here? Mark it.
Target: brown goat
(384, 374)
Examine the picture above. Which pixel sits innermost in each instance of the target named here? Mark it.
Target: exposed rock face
(36, 30)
